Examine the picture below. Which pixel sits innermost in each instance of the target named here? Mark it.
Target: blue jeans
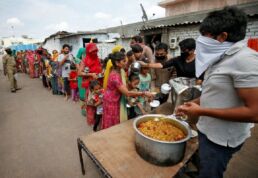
(54, 84)
(213, 158)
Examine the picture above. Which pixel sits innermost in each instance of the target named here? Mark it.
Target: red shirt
(73, 84)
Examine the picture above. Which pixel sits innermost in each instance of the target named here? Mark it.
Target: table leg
(80, 155)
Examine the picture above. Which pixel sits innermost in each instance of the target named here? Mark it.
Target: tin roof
(251, 9)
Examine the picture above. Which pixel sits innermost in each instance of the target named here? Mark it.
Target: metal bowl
(162, 153)
(135, 67)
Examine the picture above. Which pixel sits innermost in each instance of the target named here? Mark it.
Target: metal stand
(81, 146)
(80, 155)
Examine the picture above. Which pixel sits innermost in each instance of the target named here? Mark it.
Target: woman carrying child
(90, 69)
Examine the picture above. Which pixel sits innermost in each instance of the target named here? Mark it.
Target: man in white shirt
(229, 102)
(65, 61)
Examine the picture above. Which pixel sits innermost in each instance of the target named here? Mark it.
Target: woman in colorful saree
(114, 100)
(81, 54)
(30, 58)
(89, 69)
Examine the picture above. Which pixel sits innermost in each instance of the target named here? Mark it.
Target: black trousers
(213, 157)
(97, 121)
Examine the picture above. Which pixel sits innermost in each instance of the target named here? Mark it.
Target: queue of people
(126, 92)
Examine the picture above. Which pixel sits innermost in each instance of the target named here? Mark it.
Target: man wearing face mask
(184, 64)
(228, 106)
(161, 55)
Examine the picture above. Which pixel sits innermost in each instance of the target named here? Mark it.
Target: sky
(41, 18)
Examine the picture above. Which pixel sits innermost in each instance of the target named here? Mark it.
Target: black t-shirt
(183, 68)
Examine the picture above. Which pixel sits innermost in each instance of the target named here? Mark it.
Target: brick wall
(182, 32)
(252, 29)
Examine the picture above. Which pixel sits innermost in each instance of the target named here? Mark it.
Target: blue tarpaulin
(23, 47)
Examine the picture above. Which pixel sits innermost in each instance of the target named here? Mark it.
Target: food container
(183, 90)
(165, 88)
(154, 103)
(135, 67)
(162, 153)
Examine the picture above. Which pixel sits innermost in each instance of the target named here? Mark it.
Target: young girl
(145, 84)
(145, 79)
(114, 99)
(136, 107)
(73, 83)
(95, 100)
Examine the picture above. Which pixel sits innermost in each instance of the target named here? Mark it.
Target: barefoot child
(95, 100)
(73, 83)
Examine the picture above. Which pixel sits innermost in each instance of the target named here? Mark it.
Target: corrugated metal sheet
(251, 9)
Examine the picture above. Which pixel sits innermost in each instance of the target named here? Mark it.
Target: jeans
(66, 85)
(54, 83)
(213, 157)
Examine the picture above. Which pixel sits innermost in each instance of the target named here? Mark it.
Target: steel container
(135, 67)
(162, 153)
(185, 90)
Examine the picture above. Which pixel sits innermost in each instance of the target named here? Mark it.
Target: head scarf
(117, 48)
(92, 60)
(81, 54)
(30, 56)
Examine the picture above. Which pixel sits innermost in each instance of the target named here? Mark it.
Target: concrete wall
(52, 44)
(182, 32)
(182, 6)
(252, 28)
(76, 42)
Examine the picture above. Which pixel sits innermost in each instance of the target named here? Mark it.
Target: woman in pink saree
(30, 59)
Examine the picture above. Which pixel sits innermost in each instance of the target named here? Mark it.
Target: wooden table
(113, 151)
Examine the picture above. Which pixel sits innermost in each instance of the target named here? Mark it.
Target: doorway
(152, 40)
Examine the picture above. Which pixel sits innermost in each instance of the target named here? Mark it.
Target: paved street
(38, 133)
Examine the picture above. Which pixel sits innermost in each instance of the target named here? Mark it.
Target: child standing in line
(145, 79)
(145, 84)
(73, 83)
(94, 99)
(136, 107)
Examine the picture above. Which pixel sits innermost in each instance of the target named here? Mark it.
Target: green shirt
(145, 82)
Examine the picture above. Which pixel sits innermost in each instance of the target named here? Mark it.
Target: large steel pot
(157, 152)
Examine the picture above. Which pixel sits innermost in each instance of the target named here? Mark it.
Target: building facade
(104, 41)
(178, 7)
